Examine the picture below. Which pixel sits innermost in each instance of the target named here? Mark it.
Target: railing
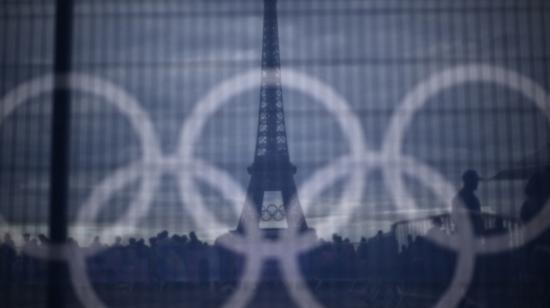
(491, 224)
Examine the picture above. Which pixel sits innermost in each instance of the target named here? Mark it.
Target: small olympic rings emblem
(273, 212)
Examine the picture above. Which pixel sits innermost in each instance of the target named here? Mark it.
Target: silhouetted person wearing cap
(466, 199)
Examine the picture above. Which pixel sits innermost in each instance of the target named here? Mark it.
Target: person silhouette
(466, 199)
(536, 252)
(537, 192)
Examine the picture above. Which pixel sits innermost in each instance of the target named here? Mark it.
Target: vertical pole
(59, 167)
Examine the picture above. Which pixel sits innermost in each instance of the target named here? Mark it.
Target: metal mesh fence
(143, 70)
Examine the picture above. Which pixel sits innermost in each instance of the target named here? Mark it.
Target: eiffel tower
(272, 187)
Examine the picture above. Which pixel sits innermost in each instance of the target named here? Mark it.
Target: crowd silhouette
(417, 267)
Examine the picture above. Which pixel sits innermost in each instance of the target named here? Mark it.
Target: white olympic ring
(125, 104)
(221, 95)
(433, 86)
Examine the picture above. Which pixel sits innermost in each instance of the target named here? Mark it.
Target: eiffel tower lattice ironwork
(272, 187)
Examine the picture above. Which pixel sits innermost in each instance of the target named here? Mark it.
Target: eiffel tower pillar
(272, 187)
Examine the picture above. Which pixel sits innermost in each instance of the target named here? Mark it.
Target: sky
(169, 54)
